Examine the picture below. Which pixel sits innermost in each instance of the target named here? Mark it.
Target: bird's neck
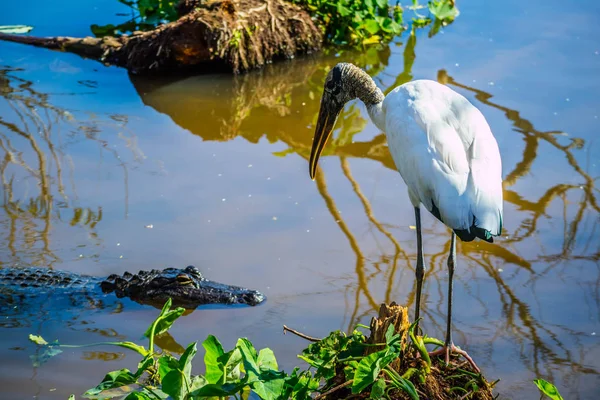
(377, 115)
(361, 85)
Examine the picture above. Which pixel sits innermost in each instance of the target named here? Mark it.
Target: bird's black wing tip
(468, 235)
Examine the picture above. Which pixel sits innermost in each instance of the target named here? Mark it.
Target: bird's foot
(446, 350)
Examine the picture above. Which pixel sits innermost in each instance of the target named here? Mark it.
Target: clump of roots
(237, 35)
(432, 379)
(457, 380)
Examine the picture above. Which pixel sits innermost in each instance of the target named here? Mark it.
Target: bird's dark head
(336, 89)
(343, 83)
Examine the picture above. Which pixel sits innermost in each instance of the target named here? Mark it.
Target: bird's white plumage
(446, 153)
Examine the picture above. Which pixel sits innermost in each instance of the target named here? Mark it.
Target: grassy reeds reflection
(36, 171)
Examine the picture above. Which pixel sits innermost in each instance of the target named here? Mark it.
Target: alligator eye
(195, 272)
(184, 279)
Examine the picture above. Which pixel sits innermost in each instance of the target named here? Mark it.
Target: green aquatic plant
(343, 22)
(548, 389)
(146, 14)
(357, 22)
(393, 368)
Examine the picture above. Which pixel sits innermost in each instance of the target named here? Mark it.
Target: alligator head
(186, 287)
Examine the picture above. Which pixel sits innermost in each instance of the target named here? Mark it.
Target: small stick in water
(302, 335)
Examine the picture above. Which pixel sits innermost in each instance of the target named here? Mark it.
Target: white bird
(444, 150)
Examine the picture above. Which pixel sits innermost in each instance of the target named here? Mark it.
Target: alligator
(187, 287)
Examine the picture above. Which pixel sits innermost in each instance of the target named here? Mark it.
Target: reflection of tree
(533, 138)
(280, 104)
(34, 167)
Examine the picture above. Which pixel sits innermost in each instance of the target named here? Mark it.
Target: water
(102, 172)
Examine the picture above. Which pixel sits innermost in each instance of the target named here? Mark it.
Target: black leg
(448, 345)
(451, 260)
(419, 272)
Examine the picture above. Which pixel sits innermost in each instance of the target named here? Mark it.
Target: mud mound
(235, 35)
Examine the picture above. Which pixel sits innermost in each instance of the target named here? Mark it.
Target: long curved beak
(328, 115)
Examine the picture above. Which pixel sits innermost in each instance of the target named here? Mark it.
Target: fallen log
(234, 35)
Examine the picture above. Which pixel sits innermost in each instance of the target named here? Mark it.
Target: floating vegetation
(548, 389)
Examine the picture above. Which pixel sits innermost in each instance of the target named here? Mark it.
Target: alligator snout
(252, 298)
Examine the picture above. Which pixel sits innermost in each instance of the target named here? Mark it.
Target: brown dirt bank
(234, 35)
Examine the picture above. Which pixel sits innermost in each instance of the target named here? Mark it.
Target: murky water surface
(104, 173)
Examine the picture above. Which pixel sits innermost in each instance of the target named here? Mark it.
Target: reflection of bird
(444, 150)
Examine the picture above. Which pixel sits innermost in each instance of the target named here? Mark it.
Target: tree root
(234, 35)
(443, 382)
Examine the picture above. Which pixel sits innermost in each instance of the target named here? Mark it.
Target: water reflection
(289, 93)
(532, 138)
(552, 212)
(37, 170)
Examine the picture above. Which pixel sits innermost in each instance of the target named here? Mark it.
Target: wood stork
(444, 150)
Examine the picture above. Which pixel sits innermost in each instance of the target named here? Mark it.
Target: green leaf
(174, 385)
(72, 397)
(165, 320)
(167, 364)
(367, 371)
(185, 361)
(136, 396)
(421, 22)
(443, 10)
(299, 386)
(386, 25)
(270, 386)
(211, 390)
(144, 365)
(175, 374)
(398, 14)
(382, 4)
(112, 380)
(249, 358)
(37, 339)
(372, 40)
(371, 26)
(214, 350)
(548, 389)
(389, 334)
(232, 361)
(198, 381)
(15, 29)
(407, 386)
(266, 382)
(266, 360)
(378, 389)
(163, 312)
(323, 355)
(343, 11)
